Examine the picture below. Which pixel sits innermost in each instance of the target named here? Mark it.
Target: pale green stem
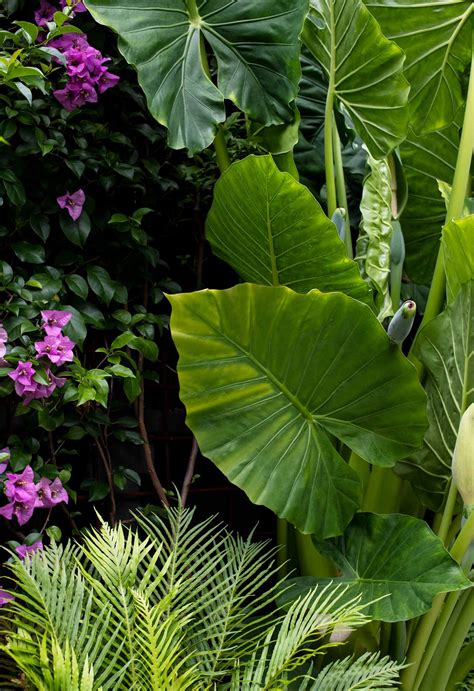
(396, 273)
(464, 539)
(341, 188)
(362, 469)
(222, 155)
(311, 562)
(450, 646)
(383, 491)
(463, 666)
(286, 163)
(455, 209)
(447, 516)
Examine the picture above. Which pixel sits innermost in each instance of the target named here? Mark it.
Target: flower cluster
(45, 13)
(86, 69)
(25, 495)
(56, 347)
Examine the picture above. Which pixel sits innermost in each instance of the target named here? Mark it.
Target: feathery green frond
(369, 671)
(172, 606)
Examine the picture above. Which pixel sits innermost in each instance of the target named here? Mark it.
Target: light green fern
(172, 606)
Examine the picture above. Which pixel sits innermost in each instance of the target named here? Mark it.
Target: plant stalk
(311, 562)
(341, 187)
(455, 209)
(383, 491)
(447, 516)
(462, 667)
(286, 163)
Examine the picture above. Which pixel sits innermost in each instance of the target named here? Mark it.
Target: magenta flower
(68, 41)
(20, 487)
(55, 320)
(57, 348)
(4, 462)
(45, 13)
(106, 81)
(43, 390)
(23, 378)
(3, 341)
(22, 510)
(73, 203)
(23, 550)
(5, 597)
(50, 493)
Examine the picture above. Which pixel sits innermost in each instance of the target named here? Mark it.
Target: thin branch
(110, 481)
(188, 478)
(148, 456)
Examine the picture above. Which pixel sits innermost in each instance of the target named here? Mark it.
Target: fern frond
(368, 672)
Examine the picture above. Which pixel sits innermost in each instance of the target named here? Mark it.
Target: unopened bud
(402, 322)
(397, 245)
(463, 458)
(339, 218)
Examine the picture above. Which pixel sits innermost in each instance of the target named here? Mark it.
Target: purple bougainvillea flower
(106, 81)
(3, 341)
(23, 550)
(50, 493)
(45, 13)
(55, 320)
(5, 597)
(68, 41)
(23, 510)
(57, 348)
(73, 203)
(43, 390)
(20, 487)
(23, 378)
(4, 462)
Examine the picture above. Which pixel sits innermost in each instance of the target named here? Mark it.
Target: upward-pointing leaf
(272, 230)
(365, 68)
(255, 43)
(268, 375)
(436, 38)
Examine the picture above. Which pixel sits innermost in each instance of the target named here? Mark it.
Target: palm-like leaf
(367, 672)
(184, 607)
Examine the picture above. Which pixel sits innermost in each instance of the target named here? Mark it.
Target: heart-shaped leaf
(255, 44)
(268, 376)
(426, 160)
(365, 68)
(436, 38)
(393, 557)
(272, 231)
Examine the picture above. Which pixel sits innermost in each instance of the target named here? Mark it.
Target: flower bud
(339, 218)
(397, 245)
(463, 458)
(402, 321)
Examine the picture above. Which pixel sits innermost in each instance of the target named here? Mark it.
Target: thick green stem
(362, 469)
(447, 516)
(286, 163)
(328, 120)
(341, 188)
(455, 209)
(396, 273)
(222, 155)
(383, 491)
(464, 539)
(450, 645)
(464, 665)
(311, 562)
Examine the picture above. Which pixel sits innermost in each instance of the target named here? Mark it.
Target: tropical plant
(175, 605)
(296, 392)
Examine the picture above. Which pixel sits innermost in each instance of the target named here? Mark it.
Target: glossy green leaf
(255, 44)
(436, 38)
(426, 160)
(446, 347)
(393, 557)
(458, 247)
(268, 375)
(29, 252)
(272, 231)
(366, 67)
(373, 244)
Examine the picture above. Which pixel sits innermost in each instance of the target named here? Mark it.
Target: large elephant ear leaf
(426, 160)
(272, 231)
(394, 562)
(255, 44)
(436, 37)
(268, 376)
(365, 69)
(445, 346)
